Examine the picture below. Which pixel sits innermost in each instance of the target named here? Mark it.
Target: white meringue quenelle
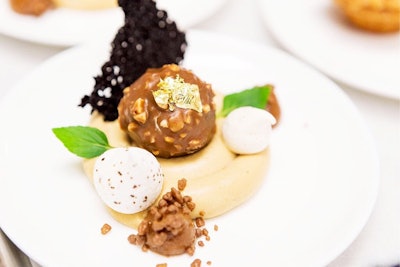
(247, 130)
(128, 180)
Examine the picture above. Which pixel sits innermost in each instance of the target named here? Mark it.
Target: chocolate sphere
(168, 111)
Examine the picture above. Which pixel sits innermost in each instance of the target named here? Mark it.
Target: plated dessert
(373, 15)
(163, 149)
(284, 193)
(224, 159)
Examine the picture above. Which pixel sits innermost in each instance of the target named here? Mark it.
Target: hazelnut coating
(165, 132)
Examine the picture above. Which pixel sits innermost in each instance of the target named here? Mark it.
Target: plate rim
(265, 10)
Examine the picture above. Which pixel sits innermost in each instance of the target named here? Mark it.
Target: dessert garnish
(176, 92)
(83, 141)
(247, 130)
(148, 39)
(255, 97)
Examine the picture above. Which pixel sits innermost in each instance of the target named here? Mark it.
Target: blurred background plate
(316, 32)
(66, 27)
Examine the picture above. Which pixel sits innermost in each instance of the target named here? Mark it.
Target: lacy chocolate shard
(148, 39)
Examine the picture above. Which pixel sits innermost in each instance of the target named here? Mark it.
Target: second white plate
(67, 27)
(315, 31)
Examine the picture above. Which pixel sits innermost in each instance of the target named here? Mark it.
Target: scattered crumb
(200, 222)
(105, 229)
(205, 232)
(161, 265)
(133, 239)
(196, 263)
(182, 184)
(215, 228)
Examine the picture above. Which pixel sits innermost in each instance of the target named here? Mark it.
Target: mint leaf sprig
(89, 142)
(255, 97)
(83, 141)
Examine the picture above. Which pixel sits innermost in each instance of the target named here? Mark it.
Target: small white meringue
(247, 130)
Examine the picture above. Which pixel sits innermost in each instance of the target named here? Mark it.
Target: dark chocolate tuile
(148, 39)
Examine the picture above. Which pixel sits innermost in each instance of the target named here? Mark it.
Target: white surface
(66, 27)
(317, 32)
(379, 242)
(300, 202)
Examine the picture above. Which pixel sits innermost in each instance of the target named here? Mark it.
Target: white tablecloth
(379, 242)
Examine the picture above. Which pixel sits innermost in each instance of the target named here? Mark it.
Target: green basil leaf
(83, 141)
(254, 97)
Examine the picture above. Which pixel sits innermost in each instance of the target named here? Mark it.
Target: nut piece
(176, 123)
(169, 139)
(164, 123)
(138, 110)
(196, 263)
(105, 229)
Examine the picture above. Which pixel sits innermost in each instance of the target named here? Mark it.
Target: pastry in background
(373, 15)
(31, 7)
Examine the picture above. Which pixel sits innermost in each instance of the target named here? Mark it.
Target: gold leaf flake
(173, 93)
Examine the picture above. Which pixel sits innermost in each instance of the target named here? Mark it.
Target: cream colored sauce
(217, 179)
(86, 4)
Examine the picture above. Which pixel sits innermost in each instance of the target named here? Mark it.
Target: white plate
(66, 27)
(316, 199)
(316, 32)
